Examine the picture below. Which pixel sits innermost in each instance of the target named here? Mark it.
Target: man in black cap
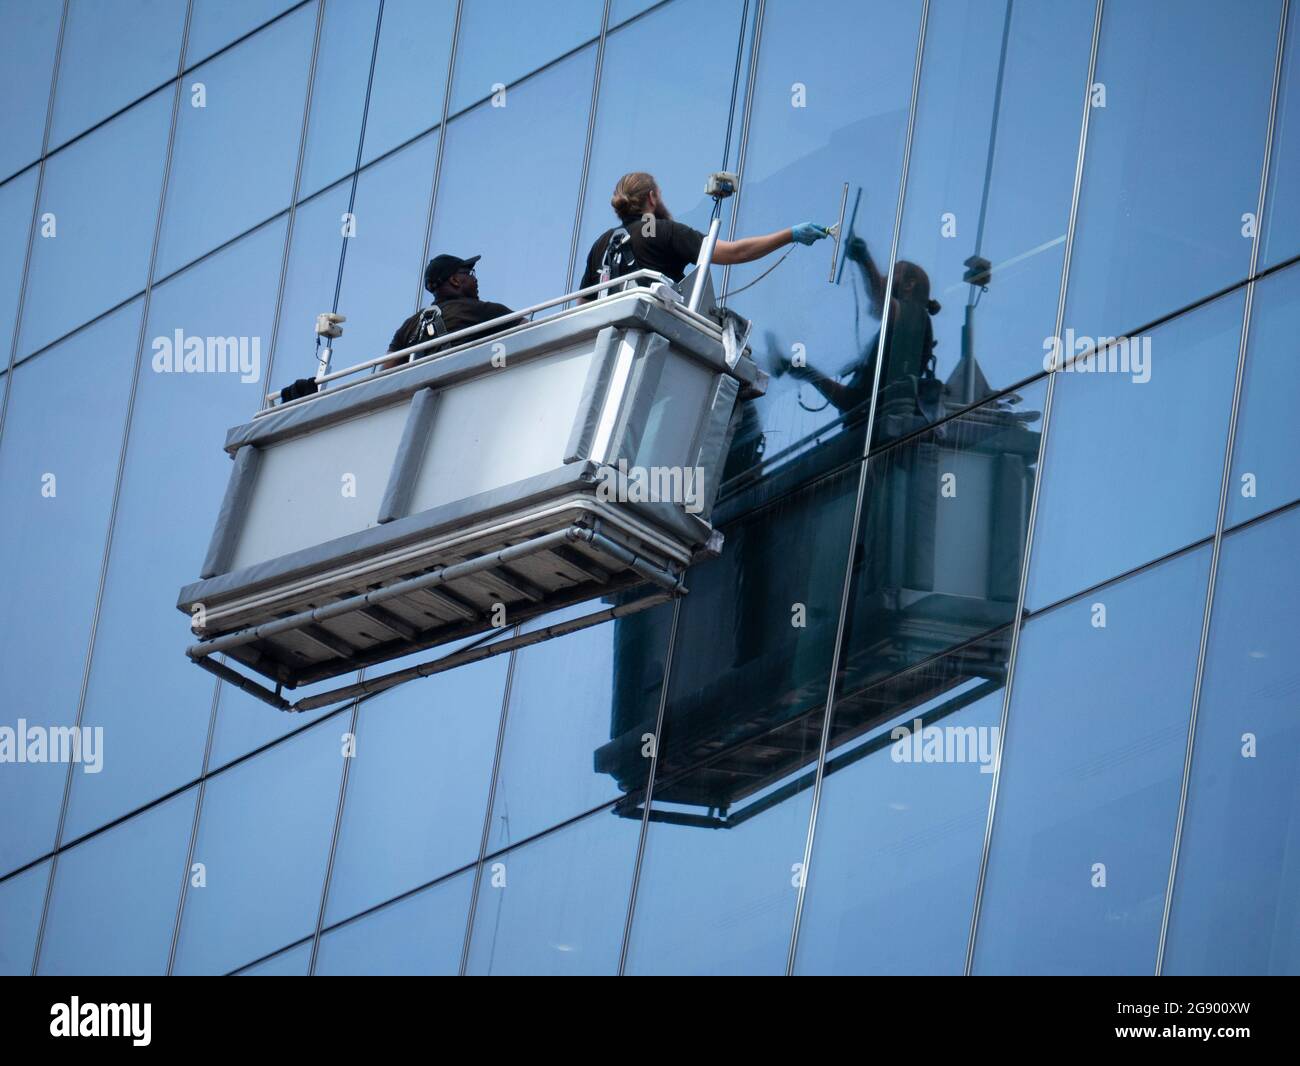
(455, 292)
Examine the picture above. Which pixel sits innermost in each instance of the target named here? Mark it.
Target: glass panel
(58, 465)
(991, 176)
(26, 68)
(263, 842)
(742, 729)
(900, 829)
(418, 936)
(21, 900)
(410, 75)
(252, 97)
(1264, 470)
(153, 703)
(388, 195)
(543, 129)
(93, 238)
(503, 40)
(385, 255)
(15, 225)
(338, 98)
(556, 906)
(113, 910)
(1236, 894)
(814, 127)
(1281, 233)
(245, 723)
(113, 53)
(940, 541)
(691, 95)
(418, 786)
(622, 10)
(309, 284)
(1153, 233)
(291, 963)
(1091, 772)
(216, 23)
(937, 567)
(570, 699)
(1135, 452)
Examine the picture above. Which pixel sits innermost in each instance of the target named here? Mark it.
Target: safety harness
(618, 259)
(430, 323)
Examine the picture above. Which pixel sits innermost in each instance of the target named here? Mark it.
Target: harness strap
(618, 259)
(431, 323)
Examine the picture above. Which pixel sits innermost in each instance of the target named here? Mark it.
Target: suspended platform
(494, 479)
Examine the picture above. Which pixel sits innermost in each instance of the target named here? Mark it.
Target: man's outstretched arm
(747, 249)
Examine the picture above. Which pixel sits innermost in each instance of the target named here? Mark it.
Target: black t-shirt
(909, 343)
(456, 314)
(672, 248)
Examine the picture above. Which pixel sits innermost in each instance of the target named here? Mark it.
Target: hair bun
(933, 307)
(631, 193)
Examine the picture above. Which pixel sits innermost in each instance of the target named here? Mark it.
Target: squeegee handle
(838, 230)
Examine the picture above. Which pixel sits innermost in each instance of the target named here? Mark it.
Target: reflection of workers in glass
(454, 286)
(649, 239)
(909, 336)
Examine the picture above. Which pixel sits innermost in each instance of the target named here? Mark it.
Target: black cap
(441, 267)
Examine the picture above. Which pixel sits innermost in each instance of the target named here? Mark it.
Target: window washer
(649, 239)
(454, 286)
(909, 340)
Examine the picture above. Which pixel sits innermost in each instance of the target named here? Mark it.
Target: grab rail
(424, 347)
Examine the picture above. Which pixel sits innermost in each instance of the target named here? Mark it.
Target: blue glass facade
(992, 674)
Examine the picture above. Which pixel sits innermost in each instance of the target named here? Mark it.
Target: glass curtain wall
(993, 458)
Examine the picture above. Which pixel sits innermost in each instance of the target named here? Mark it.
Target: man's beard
(662, 212)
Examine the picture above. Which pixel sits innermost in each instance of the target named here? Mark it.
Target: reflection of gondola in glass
(933, 570)
(936, 567)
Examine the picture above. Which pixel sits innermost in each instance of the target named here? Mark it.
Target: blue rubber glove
(807, 232)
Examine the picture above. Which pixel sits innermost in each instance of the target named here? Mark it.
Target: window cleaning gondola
(464, 492)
